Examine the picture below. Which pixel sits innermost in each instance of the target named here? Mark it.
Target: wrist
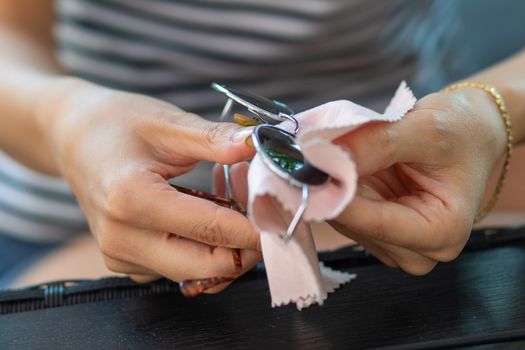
(514, 97)
(513, 93)
(54, 113)
(487, 126)
(484, 110)
(58, 95)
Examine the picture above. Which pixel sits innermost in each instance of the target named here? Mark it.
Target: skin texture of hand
(117, 151)
(422, 179)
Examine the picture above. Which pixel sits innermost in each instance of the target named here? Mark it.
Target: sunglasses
(278, 151)
(263, 110)
(277, 147)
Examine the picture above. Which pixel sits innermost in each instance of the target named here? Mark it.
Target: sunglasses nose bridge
(283, 156)
(293, 120)
(269, 113)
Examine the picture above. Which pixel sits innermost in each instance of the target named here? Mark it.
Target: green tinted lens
(284, 157)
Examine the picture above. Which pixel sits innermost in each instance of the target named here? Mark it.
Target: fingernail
(368, 192)
(243, 120)
(242, 135)
(249, 142)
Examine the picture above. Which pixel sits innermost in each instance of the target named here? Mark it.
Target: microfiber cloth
(293, 270)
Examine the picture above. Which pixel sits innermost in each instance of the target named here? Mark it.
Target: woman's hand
(422, 179)
(117, 151)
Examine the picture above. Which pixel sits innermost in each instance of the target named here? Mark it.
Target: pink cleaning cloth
(293, 270)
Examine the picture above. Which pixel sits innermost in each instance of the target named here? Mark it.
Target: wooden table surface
(478, 299)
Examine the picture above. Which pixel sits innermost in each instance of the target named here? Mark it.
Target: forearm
(508, 77)
(27, 72)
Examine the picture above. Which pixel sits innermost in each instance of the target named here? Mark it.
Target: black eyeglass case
(475, 300)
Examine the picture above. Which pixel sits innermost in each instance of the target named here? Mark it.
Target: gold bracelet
(498, 99)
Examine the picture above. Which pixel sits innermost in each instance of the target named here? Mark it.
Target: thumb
(223, 143)
(378, 145)
(194, 139)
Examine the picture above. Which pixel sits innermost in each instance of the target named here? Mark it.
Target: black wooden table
(478, 299)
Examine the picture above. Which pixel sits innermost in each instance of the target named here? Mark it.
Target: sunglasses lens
(280, 149)
(256, 100)
(269, 111)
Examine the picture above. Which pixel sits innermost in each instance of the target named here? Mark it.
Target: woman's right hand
(422, 179)
(117, 150)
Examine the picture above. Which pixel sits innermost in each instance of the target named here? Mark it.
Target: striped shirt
(302, 52)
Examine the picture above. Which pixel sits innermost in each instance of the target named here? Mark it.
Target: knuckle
(450, 245)
(144, 278)
(387, 141)
(376, 230)
(217, 137)
(209, 230)
(418, 268)
(384, 137)
(113, 265)
(119, 203)
(447, 255)
(107, 241)
(433, 115)
(108, 245)
(377, 136)
(115, 204)
(438, 239)
(436, 123)
(213, 133)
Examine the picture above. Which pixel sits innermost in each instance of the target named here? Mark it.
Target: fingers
(191, 138)
(218, 181)
(144, 278)
(387, 222)
(370, 246)
(239, 178)
(249, 259)
(152, 204)
(137, 273)
(422, 225)
(414, 209)
(410, 261)
(393, 256)
(174, 257)
(125, 267)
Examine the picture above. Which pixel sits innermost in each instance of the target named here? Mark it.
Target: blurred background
(492, 31)
(489, 31)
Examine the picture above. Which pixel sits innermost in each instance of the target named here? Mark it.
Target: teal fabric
(16, 256)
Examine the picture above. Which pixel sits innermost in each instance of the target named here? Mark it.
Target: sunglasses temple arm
(226, 168)
(227, 181)
(226, 110)
(298, 215)
(223, 202)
